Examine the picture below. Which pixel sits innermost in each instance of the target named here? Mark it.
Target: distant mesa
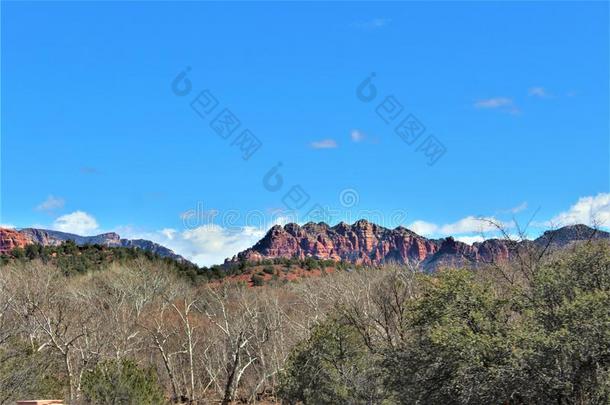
(11, 239)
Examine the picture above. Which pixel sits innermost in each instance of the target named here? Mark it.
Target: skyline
(97, 135)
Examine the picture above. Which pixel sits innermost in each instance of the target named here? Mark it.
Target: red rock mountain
(11, 238)
(360, 243)
(370, 244)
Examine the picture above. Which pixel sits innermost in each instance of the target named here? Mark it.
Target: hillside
(11, 238)
(73, 259)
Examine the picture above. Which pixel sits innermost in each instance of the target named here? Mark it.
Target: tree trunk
(228, 397)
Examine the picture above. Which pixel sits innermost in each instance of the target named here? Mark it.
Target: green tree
(32, 251)
(457, 350)
(333, 366)
(69, 247)
(546, 341)
(18, 253)
(113, 383)
(310, 263)
(257, 280)
(566, 329)
(27, 373)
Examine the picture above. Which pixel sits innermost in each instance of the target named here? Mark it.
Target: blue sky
(94, 139)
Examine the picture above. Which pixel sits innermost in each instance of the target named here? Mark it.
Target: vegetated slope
(73, 259)
(10, 239)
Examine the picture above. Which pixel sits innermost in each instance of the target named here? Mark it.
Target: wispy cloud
(51, 204)
(516, 209)
(375, 23)
(519, 208)
(495, 102)
(539, 92)
(504, 104)
(324, 144)
(357, 135)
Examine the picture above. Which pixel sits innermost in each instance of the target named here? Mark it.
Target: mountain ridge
(366, 243)
(362, 243)
(13, 238)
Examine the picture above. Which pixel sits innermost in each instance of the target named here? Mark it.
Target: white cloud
(78, 222)
(538, 92)
(470, 224)
(168, 233)
(51, 204)
(324, 144)
(467, 225)
(205, 245)
(212, 244)
(591, 210)
(423, 228)
(9, 226)
(357, 135)
(470, 239)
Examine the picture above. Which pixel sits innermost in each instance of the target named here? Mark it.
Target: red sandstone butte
(361, 243)
(11, 239)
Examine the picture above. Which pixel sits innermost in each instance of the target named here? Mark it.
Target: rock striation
(11, 239)
(366, 243)
(361, 243)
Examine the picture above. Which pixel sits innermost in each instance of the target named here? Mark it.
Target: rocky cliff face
(48, 237)
(10, 239)
(459, 254)
(360, 243)
(369, 244)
